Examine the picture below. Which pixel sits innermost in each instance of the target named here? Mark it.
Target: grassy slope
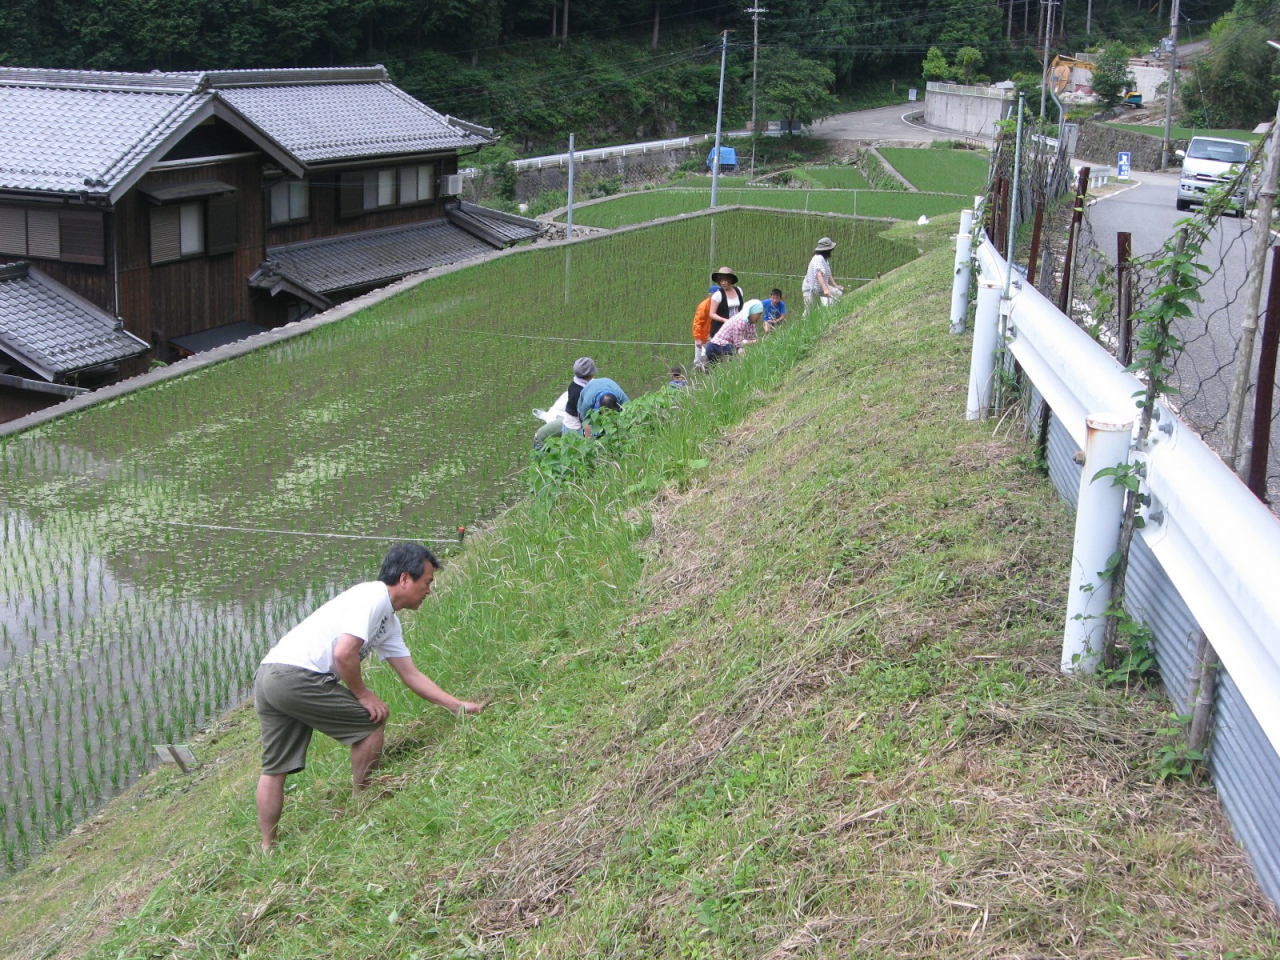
(803, 702)
(652, 204)
(940, 171)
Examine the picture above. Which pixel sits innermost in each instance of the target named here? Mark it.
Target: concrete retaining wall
(634, 169)
(971, 110)
(1103, 143)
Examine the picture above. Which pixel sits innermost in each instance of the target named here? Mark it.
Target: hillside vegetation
(785, 684)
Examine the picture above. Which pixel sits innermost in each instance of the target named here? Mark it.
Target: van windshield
(1218, 150)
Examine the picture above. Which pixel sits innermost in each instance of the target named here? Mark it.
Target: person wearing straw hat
(311, 680)
(818, 279)
(727, 300)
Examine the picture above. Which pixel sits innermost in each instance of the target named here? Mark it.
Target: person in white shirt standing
(311, 680)
(818, 279)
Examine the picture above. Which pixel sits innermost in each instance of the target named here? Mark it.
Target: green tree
(1235, 85)
(1111, 74)
(799, 89)
(935, 66)
(967, 60)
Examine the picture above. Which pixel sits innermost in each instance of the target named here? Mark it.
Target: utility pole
(1088, 19)
(1048, 37)
(715, 160)
(755, 12)
(1167, 147)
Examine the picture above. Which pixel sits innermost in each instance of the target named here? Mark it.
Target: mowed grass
(841, 178)
(652, 204)
(941, 171)
(1186, 133)
(801, 701)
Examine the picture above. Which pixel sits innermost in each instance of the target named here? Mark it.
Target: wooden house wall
(186, 296)
(93, 282)
(325, 222)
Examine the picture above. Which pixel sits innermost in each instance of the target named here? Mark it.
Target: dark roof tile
(52, 330)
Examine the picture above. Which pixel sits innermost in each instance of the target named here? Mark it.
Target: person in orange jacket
(702, 331)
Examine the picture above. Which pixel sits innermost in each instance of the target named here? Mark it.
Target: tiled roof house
(198, 207)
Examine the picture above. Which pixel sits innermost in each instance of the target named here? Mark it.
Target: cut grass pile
(653, 204)
(802, 702)
(941, 171)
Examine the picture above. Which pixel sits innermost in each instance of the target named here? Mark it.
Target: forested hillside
(611, 71)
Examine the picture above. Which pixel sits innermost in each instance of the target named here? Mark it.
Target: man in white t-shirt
(297, 689)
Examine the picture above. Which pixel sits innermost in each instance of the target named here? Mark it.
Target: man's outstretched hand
(471, 707)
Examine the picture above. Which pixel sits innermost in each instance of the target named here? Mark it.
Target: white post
(1098, 517)
(986, 338)
(715, 162)
(964, 269)
(569, 214)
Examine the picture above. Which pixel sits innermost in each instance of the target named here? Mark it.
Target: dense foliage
(1235, 86)
(626, 70)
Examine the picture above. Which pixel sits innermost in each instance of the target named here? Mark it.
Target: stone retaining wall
(1103, 143)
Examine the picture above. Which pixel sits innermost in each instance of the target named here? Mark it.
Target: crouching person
(311, 680)
(737, 333)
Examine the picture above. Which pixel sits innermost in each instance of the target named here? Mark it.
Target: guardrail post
(986, 338)
(1099, 513)
(964, 269)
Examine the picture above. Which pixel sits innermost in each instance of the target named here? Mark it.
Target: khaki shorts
(292, 702)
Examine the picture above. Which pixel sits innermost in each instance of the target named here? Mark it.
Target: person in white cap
(584, 369)
(738, 331)
(818, 279)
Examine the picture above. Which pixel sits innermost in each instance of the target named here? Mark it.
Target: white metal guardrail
(1218, 544)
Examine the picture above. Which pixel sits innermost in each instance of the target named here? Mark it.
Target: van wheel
(1183, 204)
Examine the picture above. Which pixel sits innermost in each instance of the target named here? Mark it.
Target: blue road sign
(1122, 167)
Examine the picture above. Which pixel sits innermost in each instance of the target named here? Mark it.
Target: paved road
(1148, 212)
(882, 123)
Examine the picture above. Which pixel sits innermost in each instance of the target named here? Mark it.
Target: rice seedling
(137, 593)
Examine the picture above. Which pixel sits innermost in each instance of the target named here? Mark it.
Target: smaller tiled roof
(374, 256)
(217, 336)
(498, 228)
(53, 331)
(321, 122)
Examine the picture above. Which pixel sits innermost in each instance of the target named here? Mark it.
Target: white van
(1206, 162)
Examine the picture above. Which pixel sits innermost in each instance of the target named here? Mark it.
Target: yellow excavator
(1060, 74)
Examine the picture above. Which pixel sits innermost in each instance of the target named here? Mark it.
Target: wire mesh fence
(1101, 270)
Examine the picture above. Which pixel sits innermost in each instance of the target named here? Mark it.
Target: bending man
(297, 689)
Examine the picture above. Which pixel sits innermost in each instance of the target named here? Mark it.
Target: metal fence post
(568, 232)
(986, 339)
(1264, 392)
(1077, 214)
(1097, 537)
(1033, 257)
(963, 272)
(1124, 296)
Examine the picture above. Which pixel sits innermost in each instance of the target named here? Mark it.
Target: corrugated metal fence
(1244, 762)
